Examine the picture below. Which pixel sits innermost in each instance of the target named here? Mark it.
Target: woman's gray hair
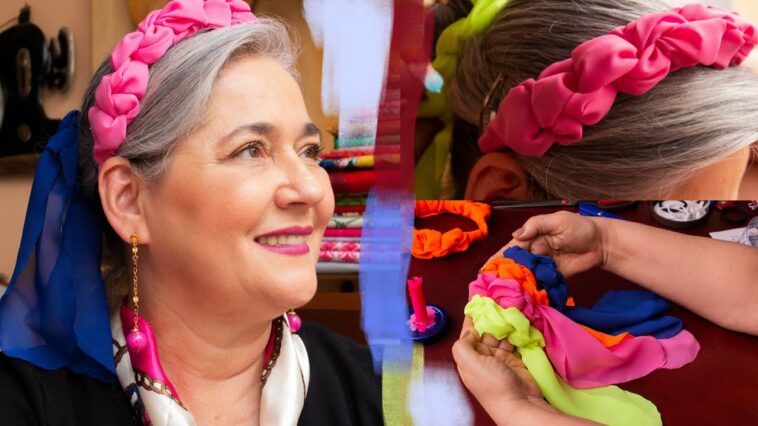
(647, 146)
(178, 92)
(180, 88)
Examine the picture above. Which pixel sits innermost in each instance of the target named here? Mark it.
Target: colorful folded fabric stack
(351, 172)
(577, 354)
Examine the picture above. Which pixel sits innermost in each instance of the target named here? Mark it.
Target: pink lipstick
(292, 230)
(290, 241)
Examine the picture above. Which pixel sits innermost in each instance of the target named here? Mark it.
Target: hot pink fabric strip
(147, 359)
(580, 91)
(118, 96)
(578, 357)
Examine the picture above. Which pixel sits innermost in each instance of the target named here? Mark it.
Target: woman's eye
(313, 152)
(253, 150)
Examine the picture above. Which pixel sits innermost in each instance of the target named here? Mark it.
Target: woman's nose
(303, 184)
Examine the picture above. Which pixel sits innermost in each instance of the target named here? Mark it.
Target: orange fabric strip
(606, 339)
(508, 268)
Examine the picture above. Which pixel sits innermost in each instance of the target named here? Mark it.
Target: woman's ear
(497, 176)
(120, 187)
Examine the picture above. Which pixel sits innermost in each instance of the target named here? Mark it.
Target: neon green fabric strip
(453, 37)
(396, 378)
(608, 405)
(431, 165)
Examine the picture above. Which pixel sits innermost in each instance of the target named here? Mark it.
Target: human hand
(576, 243)
(499, 380)
(495, 375)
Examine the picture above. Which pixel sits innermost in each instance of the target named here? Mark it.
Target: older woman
(547, 104)
(197, 155)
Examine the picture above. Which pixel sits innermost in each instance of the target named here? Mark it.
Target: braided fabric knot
(580, 91)
(118, 95)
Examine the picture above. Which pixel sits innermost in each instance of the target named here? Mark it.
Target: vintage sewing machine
(29, 62)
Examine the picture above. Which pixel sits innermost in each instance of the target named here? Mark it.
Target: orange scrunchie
(504, 267)
(429, 243)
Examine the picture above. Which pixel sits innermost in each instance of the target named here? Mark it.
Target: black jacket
(343, 389)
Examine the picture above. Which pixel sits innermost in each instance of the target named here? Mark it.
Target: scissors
(587, 209)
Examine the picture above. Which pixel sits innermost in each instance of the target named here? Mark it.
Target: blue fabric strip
(54, 313)
(635, 311)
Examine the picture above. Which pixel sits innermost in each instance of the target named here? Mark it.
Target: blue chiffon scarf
(54, 313)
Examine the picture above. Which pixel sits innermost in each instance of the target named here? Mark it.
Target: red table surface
(719, 388)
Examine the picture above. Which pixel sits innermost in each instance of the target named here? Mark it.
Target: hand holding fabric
(575, 243)
(496, 376)
(499, 380)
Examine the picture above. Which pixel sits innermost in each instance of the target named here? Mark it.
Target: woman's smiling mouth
(291, 240)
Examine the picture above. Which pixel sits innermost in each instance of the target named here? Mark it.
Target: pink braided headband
(118, 96)
(580, 91)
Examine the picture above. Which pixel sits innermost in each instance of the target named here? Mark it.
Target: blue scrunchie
(634, 311)
(54, 313)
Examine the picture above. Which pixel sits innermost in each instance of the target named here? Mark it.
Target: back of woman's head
(179, 90)
(646, 147)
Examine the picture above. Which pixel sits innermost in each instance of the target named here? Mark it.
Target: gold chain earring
(136, 339)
